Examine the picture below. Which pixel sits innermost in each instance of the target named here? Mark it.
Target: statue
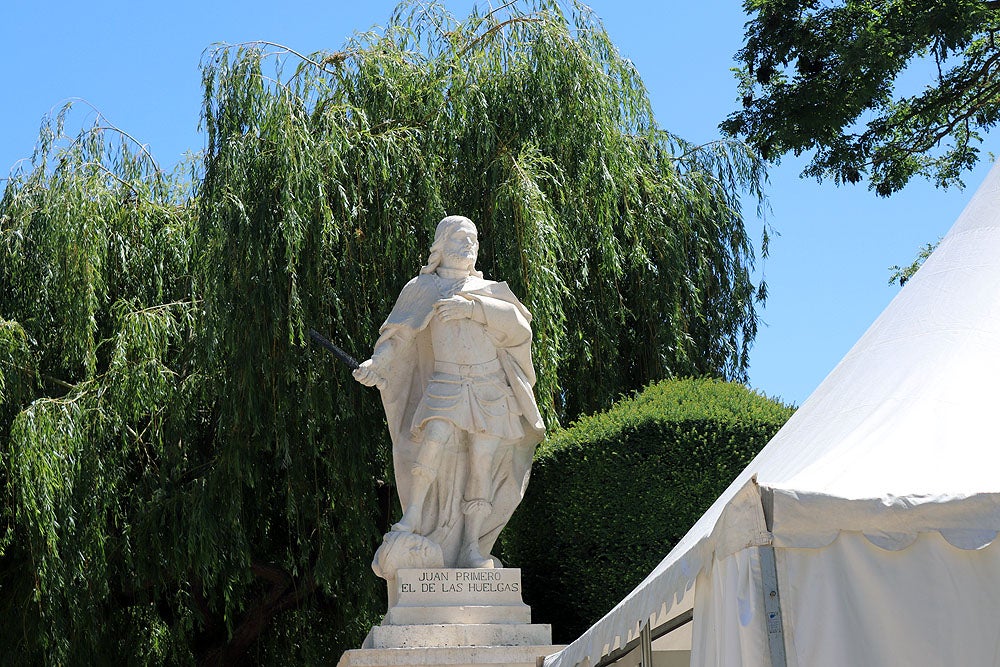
(453, 365)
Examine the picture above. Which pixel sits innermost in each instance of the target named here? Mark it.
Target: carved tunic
(468, 387)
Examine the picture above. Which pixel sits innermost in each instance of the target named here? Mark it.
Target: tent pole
(772, 606)
(654, 634)
(646, 642)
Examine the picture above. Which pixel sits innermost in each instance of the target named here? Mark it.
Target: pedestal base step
(453, 635)
(450, 617)
(463, 656)
(433, 614)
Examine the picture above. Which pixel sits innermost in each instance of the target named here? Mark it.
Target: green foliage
(902, 274)
(819, 77)
(88, 235)
(182, 478)
(611, 495)
(538, 130)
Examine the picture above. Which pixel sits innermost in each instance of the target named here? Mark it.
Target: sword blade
(337, 352)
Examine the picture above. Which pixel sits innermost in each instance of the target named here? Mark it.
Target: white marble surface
(453, 634)
(416, 615)
(454, 586)
(455, 616)
(453, 365)
(462, 656)
(456, 595)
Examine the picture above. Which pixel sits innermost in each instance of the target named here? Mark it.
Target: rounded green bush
(611, 495)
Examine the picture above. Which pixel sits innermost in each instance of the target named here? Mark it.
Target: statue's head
(456, 245)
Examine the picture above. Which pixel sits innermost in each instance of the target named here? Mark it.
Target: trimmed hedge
(612, 494)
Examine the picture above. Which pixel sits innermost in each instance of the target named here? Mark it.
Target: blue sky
(138, 63)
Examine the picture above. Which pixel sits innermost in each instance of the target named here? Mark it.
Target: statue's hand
(455, 308)
(366, 375)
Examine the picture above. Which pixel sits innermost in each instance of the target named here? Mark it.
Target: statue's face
(461, 247)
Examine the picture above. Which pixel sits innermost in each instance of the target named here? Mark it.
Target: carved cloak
(407, 372)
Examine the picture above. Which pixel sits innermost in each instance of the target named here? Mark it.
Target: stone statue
(453, 364)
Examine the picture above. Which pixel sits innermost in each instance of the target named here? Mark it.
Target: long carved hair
(444, 229)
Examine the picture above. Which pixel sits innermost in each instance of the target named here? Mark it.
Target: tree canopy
(823, 78)
(182, 478)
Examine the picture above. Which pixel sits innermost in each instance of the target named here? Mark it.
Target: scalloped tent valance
(880, 497)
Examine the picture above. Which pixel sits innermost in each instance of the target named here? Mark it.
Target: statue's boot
(472, 557)
(410, 520)
(423, 477)
(475, 511)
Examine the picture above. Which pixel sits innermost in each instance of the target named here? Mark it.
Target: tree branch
(971, 107)
(499, 26)
(285, 593)
(338, 56)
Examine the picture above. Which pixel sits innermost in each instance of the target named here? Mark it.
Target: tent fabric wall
(898, 445)
(853, 603)
(729, 626)
(813, 520)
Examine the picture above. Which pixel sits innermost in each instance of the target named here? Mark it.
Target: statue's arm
(505, 321)
(374, 371)
(398, 331)
(478, 312)
(460, 306)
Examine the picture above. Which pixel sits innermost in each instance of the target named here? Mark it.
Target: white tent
(876, 507)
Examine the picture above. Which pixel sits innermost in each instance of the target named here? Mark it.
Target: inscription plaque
(459, 587)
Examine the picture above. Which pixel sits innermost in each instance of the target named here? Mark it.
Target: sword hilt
(337, 352)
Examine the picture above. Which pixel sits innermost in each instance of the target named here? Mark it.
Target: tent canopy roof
(899, 438)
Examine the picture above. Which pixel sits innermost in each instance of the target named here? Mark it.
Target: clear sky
(138, 63)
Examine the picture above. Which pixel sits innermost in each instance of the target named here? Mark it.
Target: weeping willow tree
(183, 479)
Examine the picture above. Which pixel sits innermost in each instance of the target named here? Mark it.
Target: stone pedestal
(455, 618)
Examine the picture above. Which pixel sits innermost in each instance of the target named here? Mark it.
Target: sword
(337, 352)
